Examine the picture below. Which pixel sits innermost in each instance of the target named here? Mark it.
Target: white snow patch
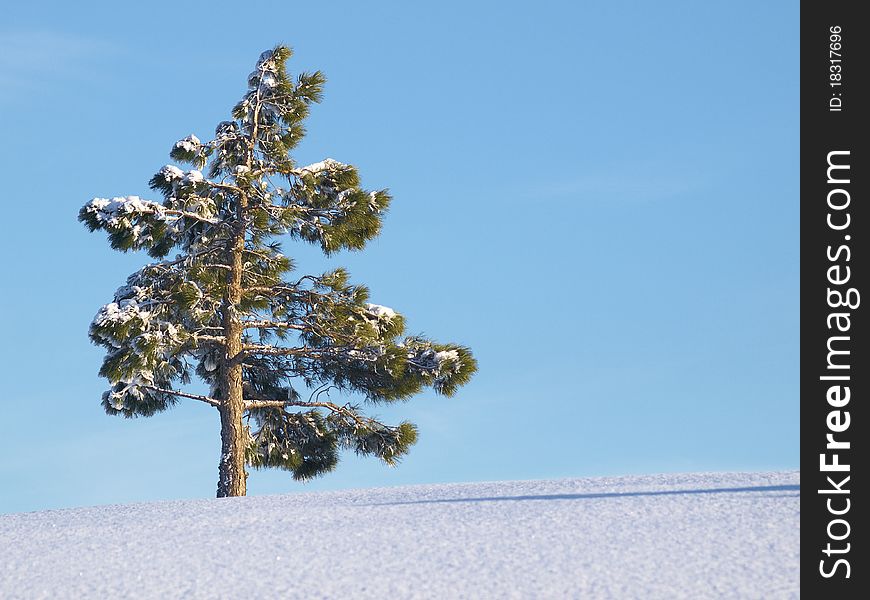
(268, 81)
(446, 355)
(324, 165)
(108, 209)
(665, 536)
(193, 177)
(189, 144)
(373, 202)
(171, 173)
(379, 311)
(116, 313)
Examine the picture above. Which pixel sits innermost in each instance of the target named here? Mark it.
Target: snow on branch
(113, 212)
(327, 164)
(133, 223)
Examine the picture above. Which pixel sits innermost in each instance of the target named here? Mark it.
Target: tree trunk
(232, 474)
(234, 438)
(231, 471)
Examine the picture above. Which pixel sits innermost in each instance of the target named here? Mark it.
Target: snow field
(705, 535)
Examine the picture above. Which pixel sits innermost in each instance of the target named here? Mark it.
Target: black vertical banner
(835, 225)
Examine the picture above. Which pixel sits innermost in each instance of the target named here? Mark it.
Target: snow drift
(664, 536)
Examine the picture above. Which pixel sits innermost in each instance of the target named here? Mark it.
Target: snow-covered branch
(109, 212)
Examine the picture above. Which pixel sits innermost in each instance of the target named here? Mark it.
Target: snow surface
(722, 535)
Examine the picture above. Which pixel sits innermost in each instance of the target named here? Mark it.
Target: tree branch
(181, 213)
(342, 410)
(206, 399)
(271, 325)
(249, 349)
(218, 339)
(224, 186)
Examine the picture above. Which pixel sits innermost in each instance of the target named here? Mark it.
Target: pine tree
(270, 347)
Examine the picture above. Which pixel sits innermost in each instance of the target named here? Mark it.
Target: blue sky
(600, 198)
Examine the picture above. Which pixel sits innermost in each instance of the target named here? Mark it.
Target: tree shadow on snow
(592, 496)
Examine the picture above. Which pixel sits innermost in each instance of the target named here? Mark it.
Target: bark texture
(232, 475)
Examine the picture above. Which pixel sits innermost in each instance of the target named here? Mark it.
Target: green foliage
(298, 442)
(308, 443)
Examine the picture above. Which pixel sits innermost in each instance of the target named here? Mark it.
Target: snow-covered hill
(666, 536)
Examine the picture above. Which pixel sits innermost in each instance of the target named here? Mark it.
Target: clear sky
(600, 198)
